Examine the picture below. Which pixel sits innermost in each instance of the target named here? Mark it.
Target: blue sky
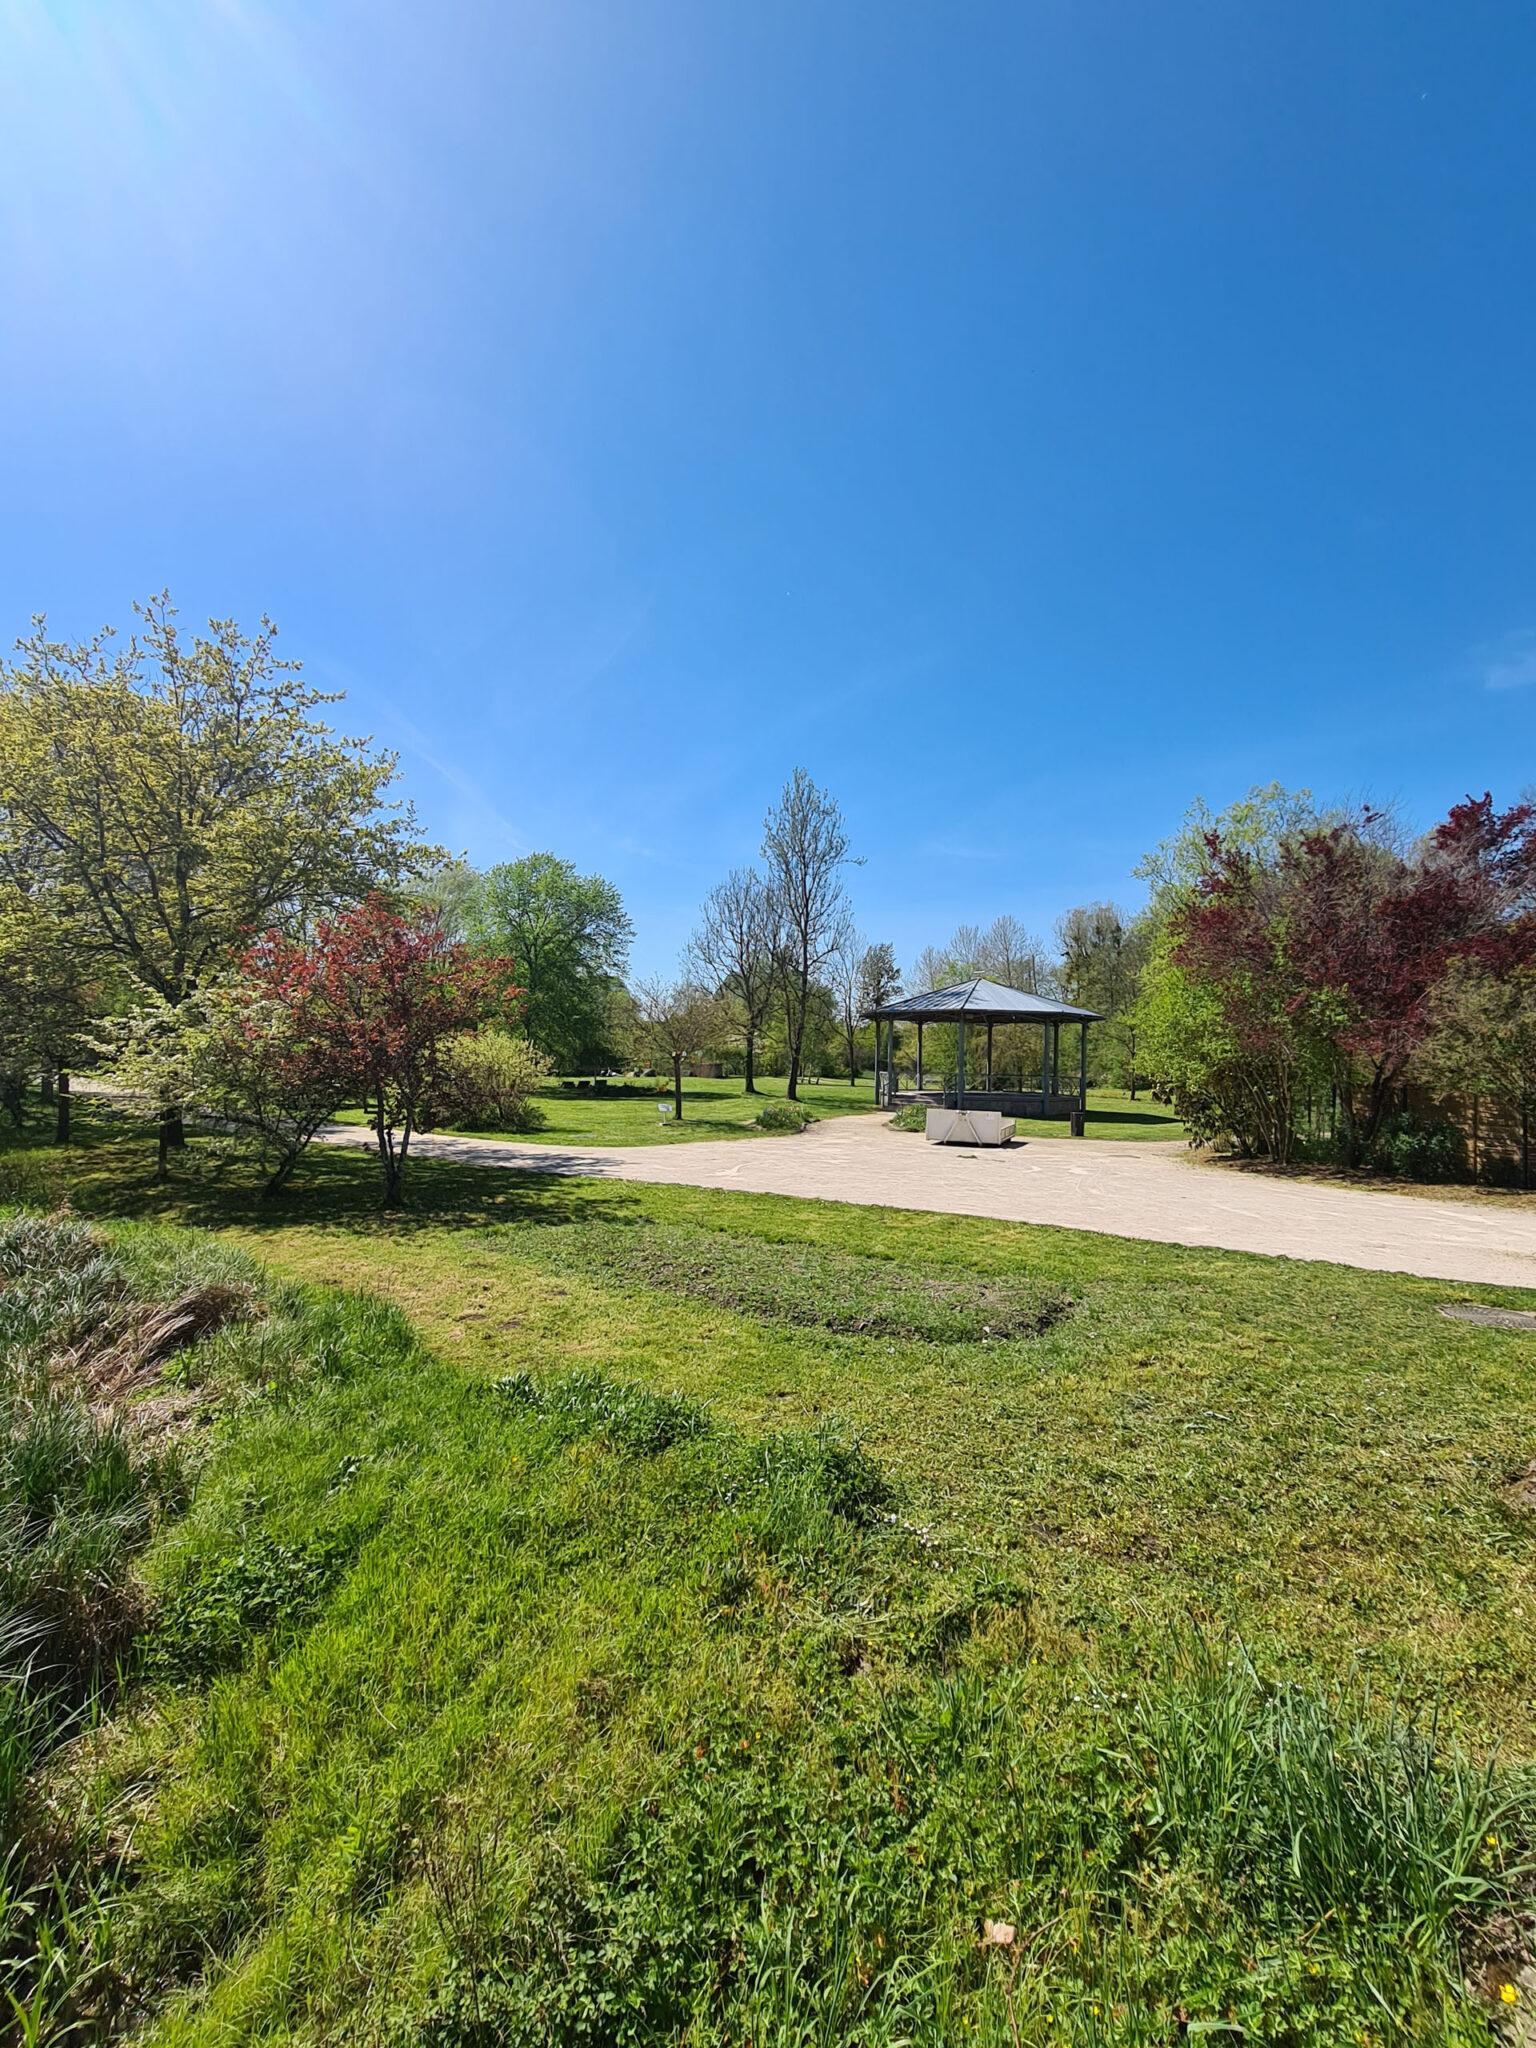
(1027, 416)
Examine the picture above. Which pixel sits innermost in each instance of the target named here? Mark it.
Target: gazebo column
(919, 1055)
(1082, 1068)
(960, 1065)
(1045, 1065)
(989, 1055)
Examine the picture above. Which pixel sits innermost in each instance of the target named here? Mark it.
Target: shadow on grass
(108, 1171)
(1146, 1118)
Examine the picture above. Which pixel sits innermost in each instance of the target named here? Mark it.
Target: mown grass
(632, 1665)
(628, 1114)
(1308, 1454)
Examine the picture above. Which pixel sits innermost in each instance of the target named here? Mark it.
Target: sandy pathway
(1128, 1190)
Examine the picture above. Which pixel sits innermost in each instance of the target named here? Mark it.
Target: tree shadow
(1158, 1119)
(108, 1171)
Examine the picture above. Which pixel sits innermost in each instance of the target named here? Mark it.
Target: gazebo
(969, 1004)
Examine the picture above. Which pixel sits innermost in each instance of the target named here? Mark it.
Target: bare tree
(846, 982)
(1014, 956)
(933, 968)
(677, 1019)
(965, 951)
(805, 846)
(735, 949)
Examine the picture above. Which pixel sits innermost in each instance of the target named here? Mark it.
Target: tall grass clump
(82, 1490)
(1330, 1810)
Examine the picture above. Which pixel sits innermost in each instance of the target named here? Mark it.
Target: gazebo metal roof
(983, 1002)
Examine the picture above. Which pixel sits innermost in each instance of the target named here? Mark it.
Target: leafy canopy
(173, 796)
(570, 938)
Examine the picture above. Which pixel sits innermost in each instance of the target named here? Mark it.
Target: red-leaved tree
(277, 1069)
(1231, 939)
(395, 989)
(1332, 949)
(1371, 936)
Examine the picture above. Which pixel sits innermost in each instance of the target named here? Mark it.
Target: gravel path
(1126, 1190)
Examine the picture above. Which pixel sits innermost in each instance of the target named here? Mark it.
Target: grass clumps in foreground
(84, 1486)
(811, 1286)
(555, 1710)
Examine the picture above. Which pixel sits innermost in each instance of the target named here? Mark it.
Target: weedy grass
(811, 1286)
(601, 1721)
(81, 1495)
(611, 1664)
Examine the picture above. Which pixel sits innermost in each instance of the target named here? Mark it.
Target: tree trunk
(751, 1082)
(45, 1091)
(796, 1021)
(173, 1131)
(162, 1155)
(1133, 1066)
(1525, 1145)
(61, 1110)
(677, 1088)
(279, 1177)
(391, 1161)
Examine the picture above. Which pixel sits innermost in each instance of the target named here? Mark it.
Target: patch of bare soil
(1522, 1489)
(1489, 1318)
(1503, 1976)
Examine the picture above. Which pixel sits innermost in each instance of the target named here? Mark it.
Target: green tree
(1226, 1045)
(570, 937)
(1103, 954)
(449, 890)
(879, 976)
(173, 795)
(49, 997)
(1483, 1041)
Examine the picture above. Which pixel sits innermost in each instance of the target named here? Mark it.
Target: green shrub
(489, 1082)
(1413, 1147)
(784, 1116)
(913, 1118)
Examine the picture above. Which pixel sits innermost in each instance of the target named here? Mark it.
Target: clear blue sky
(1028, 416)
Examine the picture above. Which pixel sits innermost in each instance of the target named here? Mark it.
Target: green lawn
(628, 1114)
(650, 1717)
